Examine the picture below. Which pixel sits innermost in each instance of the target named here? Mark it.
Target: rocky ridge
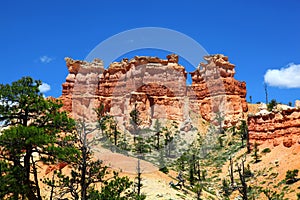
(157, 87)
(281, 126)
(214, 89)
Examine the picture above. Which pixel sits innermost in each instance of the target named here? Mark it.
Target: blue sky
(257, 36)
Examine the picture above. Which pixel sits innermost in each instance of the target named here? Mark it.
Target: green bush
(266, 150)
(164, 170)
(291, 176)
(271, 105)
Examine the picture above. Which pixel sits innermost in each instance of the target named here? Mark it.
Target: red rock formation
(280, 126)
(79, 90)
(58, 166)
(214, 89)
(157, 86)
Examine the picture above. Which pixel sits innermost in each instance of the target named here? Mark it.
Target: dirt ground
(155, 183)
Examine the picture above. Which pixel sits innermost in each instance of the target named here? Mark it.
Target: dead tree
(231, 172)
(139, 178)
(266, 93)
(243, 189)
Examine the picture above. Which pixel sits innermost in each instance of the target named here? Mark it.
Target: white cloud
(44, 87)
(286, 77)
(45, 59)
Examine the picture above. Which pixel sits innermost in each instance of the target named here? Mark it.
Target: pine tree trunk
(29, 193)
(83, 174)
(38, 191)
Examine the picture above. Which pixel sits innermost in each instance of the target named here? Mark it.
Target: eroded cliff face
(80, 89)
(157, 87)
(214, 89)
(281, 126)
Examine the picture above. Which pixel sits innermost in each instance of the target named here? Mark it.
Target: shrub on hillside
(291, 176)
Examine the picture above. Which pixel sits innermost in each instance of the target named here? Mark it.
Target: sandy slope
(155, 183)
(271, 170)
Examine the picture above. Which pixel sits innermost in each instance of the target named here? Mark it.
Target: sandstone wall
(214, 89)
(80, 89)
(158, 88)
(277, 127)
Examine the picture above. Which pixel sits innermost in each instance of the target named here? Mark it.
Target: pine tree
(87, 172)
(266, 93)
(101, 117)
(231, 172)
(243, 189)
(34, 127)
(271, 105)
(255, 153)
(162, 162)
(291, 175)
(232, 129)
(140, 148)
(220, 118)
(168, 139)
(272, 194)
(135, 121)
(157, 131)
(244, 134)
(225, 188)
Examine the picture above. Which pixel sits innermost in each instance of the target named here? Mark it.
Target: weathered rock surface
(80, 88)
(214, 89)
(158, 88)
(58, 166)
(281, 126)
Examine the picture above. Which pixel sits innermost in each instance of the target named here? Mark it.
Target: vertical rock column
(80, 89)
(214, 89)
